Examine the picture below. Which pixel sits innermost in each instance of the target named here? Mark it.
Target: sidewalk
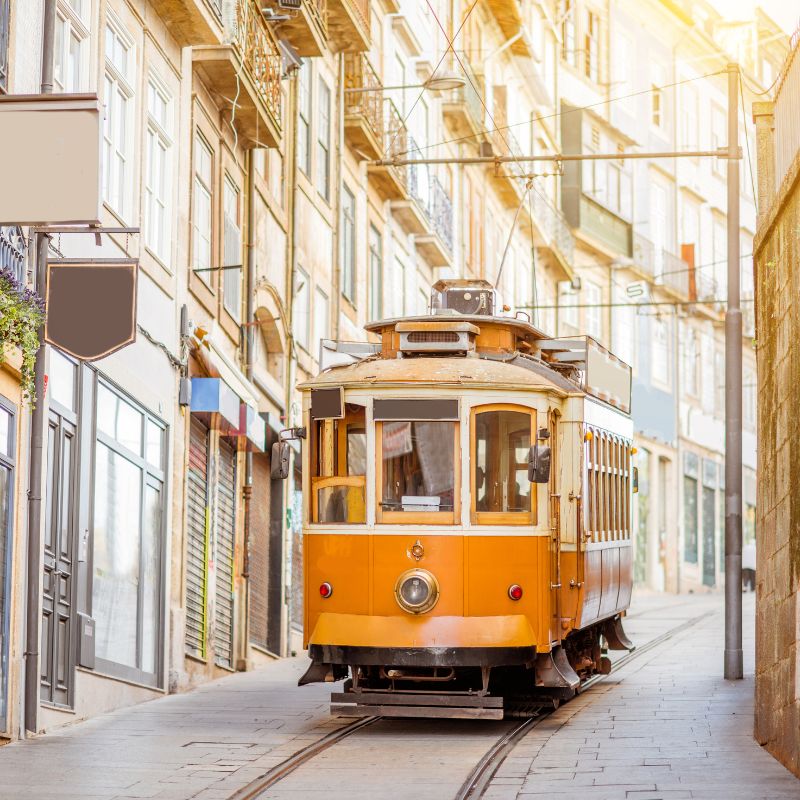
(664, 727)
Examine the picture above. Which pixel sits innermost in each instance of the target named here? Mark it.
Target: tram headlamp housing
(416, 591)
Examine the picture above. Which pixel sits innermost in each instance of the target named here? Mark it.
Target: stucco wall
(777, 723)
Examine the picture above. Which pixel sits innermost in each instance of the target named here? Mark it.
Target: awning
(251, 434)
(216, 402)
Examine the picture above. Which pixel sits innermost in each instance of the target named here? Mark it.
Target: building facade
(241, 139)
(777, 717)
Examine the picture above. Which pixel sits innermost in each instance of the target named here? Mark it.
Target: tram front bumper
(424, 641)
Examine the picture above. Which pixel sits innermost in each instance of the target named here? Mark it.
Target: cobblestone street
(664, 726)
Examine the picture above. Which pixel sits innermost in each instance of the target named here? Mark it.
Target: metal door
(197, 533)
(555, 527)
(709, 538)
(224, 535)
(57, 646)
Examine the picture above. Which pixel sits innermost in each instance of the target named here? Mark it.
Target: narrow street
(664, 726)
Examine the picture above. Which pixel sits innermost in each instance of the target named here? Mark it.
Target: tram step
(445, 712)
(418, 699)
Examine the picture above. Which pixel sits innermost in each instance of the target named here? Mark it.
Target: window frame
(8, 461)
(74, 23)
(499, 517)
(198, 184)
(159, 136)
(229, 185)
(324, 110)
(349, 258)
(304, 112)
(418, 517)
(375, 246)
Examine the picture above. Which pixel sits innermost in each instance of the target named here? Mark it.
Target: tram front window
(501, 490)
(418, 476)
(339, 462)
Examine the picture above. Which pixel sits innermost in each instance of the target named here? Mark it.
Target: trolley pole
(733, 402)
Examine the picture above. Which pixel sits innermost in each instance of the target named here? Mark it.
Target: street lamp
(447, 79)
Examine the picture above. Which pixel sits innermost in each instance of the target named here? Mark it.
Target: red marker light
(325, 590)
(515, 591)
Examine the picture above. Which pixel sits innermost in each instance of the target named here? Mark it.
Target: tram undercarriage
(469, 682)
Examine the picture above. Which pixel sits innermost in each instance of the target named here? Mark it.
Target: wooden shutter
(197, 530)
(225, 532)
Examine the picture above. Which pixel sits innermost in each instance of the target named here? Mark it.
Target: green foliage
(21, 316)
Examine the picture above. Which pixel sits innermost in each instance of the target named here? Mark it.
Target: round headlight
(416, 591)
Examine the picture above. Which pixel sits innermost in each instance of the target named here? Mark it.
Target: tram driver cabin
(467, 519)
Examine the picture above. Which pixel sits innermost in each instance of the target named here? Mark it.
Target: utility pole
(733, 669)
(34, 566)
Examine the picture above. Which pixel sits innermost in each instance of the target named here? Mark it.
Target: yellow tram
(467, 522)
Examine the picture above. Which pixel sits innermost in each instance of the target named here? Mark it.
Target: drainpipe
(34, 571)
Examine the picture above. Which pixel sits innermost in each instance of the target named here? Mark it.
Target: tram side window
(339, 467)
(417, 470)
(501, 490)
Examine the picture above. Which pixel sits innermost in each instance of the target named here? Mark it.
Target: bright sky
(785, 12)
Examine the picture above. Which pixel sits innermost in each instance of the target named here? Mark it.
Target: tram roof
(512, 372)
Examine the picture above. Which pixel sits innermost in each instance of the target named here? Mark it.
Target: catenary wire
(747, 140)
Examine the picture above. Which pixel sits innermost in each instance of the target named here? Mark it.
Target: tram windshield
(417, 466)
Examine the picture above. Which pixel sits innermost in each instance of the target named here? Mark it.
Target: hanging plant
(21, 316)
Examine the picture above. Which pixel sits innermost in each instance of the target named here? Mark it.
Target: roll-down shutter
(197, 529)
(225, 531)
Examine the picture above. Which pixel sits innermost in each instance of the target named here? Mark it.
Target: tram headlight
(416, 591)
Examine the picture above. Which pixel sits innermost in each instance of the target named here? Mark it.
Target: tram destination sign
(607, 377)
(91, 306)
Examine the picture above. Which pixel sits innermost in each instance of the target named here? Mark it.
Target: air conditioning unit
(294, 4)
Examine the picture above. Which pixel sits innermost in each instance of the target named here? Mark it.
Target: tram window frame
(388, 516)
(329, 461)
(526, 517)
(608, 483)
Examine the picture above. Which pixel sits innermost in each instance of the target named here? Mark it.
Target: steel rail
(253, 789)
(478, 780)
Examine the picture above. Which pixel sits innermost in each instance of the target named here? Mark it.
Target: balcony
(248, 67)
(363, 110)
(675, 274)
(665, 269)
(437, 247)
(705, 288)
(554, 228)
(307, 30)
(391, 182)
(509, 16)
(191, 22)
(462, 108)
(510, 180)
(644, 256)
(349, 25)
(12, 252)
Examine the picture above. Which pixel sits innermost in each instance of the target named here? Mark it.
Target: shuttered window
(223, 556)
(197, 540)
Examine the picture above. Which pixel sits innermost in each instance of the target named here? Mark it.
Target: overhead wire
(747, 140)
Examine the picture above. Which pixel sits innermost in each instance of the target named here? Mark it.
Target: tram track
(484, 771)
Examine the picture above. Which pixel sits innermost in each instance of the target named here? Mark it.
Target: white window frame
(232, 247)
(73, 24)
(118, 87)
(348, 245)
(324, 107)
(158, 190)
(304, 105)
(301, 317)
(202, 187)
(661, 349)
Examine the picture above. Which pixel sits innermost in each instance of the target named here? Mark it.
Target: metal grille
(197, 530)
(787, 115)
(433, 336)
(259, 552)
(223, 557)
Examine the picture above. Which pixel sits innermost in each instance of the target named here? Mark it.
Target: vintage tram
(467, 522)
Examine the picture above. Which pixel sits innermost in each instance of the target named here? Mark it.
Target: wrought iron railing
(440, 212)
(395, 139)
(318, 12)
(706, 287)
(260, 53)
(675, 273)
(216, 7)
(12, 252)
(644, 255)
(359, 74)
(471, 93)
(787, 114)
(553, 223)
(362, 11)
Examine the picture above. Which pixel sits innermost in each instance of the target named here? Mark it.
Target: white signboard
(51, 175)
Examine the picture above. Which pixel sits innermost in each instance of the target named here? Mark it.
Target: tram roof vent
(443, 336)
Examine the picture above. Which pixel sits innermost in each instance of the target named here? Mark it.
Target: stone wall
(777, 265)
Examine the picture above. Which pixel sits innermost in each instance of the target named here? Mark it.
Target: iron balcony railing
(359, 74)
(553, 223)
(644, 255)
(318, 12)
(471, 94)
(675, 273)
(260, 53)
(395, 139)
(706, 287)
(12, 252)
(216, 7)
(431, 196)
(661, 266)
(787, 113)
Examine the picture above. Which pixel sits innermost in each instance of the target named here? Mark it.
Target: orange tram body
(467, 522)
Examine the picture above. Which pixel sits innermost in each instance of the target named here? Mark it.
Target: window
(691, 470)
(232, 245)
(322, 319)
(592, 47)
(568, 306)
(117, 138)
(689, 117)
(324, 140)
(201, 208)
(304, 117)
(375, 273)
(719, 139)
(71, 46)
(660, 225)
(690, 361)
(348, 244)
(417, 476)
(8, 424)
(339, 467)
(300, 308)
(623, 70)
(624, 325)
(608, 470)
(128, 537)
(568, 49)
(501, 441)
(594, 313)
(660, 367)
(656, 106)
(158, 175)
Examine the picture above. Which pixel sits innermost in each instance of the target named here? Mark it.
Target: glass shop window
(501, 441)
(418, 478)
(339, 467)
